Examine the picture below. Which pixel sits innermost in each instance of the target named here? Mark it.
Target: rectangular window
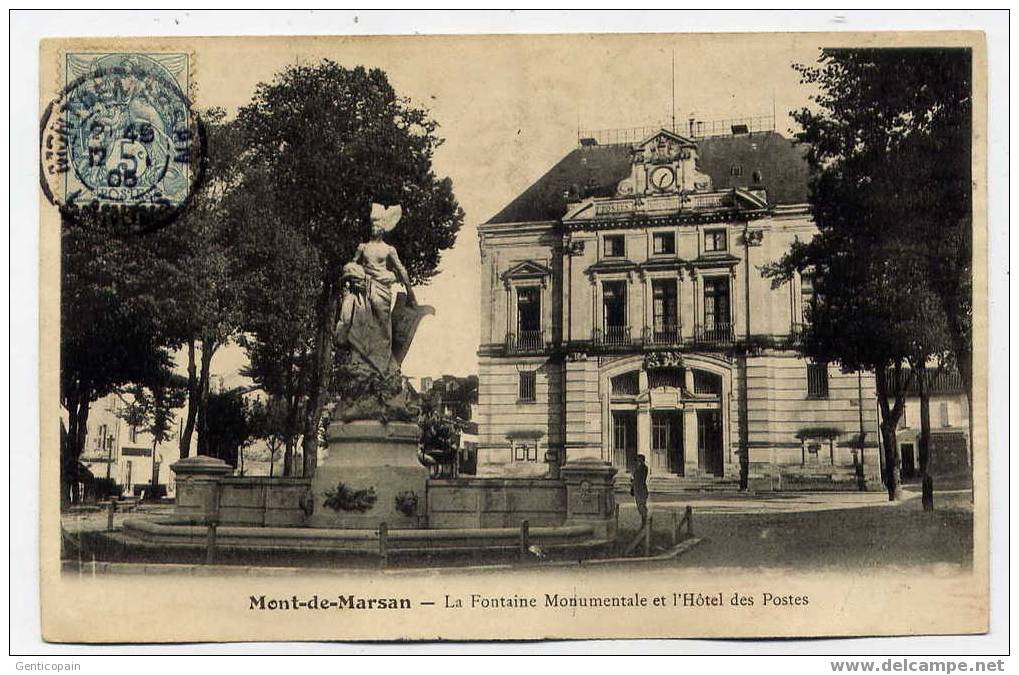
(716, 303)
(943, 414)
(715, 240)
(614, 246)
(666, 313)
(525, 452)
(614, 304)
(528, 385)
(528, 309)
(817, 380)
(806, 294)
(663, 243)
(134, 434)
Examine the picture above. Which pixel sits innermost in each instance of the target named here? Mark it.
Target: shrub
(105, 488)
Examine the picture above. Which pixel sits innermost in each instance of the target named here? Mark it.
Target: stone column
(644, 431)
(197, 478)
(644, 418)
(691, 460)
(647, 311)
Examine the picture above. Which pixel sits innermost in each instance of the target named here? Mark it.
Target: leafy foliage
(230, 425)
(889, 149)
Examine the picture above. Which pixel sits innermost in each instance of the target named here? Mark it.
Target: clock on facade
(662, 178)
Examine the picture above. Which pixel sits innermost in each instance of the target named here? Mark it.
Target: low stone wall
(495, 502)
(244, 500)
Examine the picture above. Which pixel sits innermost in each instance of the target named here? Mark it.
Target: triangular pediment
(746, 199)
(527, 269)
(665, 134)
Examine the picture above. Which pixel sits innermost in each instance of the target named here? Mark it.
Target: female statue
(368, 324)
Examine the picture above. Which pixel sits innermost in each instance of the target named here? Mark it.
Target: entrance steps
(682, 484)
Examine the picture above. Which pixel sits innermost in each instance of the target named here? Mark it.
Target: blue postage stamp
(122, 132)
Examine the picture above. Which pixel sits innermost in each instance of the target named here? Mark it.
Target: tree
(149, 408)
(268, 421)
(327, 141)
(112, 324)
(230, 428)
(202, 280)
(875, 146)
(278, 318)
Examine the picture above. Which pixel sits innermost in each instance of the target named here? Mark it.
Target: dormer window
(663, 243)
(614, 246)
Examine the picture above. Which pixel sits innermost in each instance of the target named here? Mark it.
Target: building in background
(115, 450)
(623, 311)
(949, 425)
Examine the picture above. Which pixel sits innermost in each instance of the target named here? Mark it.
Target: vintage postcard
(514, 337)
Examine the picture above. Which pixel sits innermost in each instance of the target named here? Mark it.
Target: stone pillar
(644, 430)
(590, 498)
(583, 409)
(691, 460)
(647, 311)
(382, 458)
(197, 478)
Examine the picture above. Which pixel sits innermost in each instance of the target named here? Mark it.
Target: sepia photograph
(501, 337)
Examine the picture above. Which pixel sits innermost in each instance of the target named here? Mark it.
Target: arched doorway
(673, 410)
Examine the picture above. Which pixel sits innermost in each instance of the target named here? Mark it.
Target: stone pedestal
(197, 478)
(590, 497)
(370, 455)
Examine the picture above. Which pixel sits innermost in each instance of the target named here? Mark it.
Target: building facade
(949, 427)
(624, 311)
(116, 450)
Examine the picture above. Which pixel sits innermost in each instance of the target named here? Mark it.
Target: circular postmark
(122, 145)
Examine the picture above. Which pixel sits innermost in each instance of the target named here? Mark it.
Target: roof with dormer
(765, 160)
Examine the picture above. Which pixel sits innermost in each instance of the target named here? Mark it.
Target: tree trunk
(965, 365)
(744, 425)
(155, 469)
(321, 372)
(77, 433)
(924, 441)
(193, 403)
(890, 415)
(288, 459)
(208, 349)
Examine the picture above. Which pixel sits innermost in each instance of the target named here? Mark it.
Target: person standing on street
(638, 488)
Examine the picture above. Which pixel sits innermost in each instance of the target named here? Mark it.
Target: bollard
(675, 528)
(212, 519)
(524, 538)
(689, 521)
(210, 544)
(647, 536)
(383, 545)
(110, 510)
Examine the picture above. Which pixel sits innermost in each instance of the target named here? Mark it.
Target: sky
(509, 108)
